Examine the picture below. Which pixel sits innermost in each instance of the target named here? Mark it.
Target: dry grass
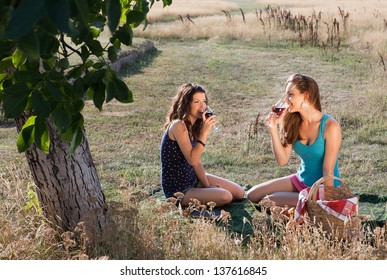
(142, 227)
(363, 25)
(25, 233)
(192, 8)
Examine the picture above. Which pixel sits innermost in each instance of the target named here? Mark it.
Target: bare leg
(284, 198)
(204, 195)
(236, 190)
(224, 194)
(280, 190)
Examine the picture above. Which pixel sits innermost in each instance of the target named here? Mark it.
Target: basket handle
(313, 190)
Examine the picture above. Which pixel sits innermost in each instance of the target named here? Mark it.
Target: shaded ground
(373, 206)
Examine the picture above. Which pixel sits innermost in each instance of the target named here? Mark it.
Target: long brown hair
(290, 131)
(181, 106)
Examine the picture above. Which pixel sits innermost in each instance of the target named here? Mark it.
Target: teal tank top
(312, 158)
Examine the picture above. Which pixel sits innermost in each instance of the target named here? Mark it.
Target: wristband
(200, 142)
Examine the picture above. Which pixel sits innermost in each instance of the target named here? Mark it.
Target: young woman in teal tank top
(313, 135)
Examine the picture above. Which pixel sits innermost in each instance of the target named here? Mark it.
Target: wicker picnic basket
(331, 224)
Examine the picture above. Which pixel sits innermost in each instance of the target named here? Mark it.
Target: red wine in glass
(279, 110)
(280, 107)
(209, 114)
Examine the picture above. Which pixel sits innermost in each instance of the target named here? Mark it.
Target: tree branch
(65, 46)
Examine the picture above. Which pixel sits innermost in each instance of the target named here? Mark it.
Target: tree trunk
(68, 187)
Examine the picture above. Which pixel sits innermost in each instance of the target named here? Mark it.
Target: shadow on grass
(373, 206)
(7, 123)
(242, 213)
(131, 62)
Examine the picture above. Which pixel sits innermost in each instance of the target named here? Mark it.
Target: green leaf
(89, 92)
(54, 90)
(29, 44)
(26, 135)
(47, 65)
(96, 6)
(110, 93)
(95, 47)
(76, 140)
(112, 53)
(167, 3)
(59, 13)
(41, 137)
(5, 63)
(78, 119)
(95, 77)
(80, 32)
(83, 9)
(95, 31)
(56, 76)
(84, 53)
(88, 63)
(24, 18)
(15, 99)
(63, 63)
(99, 95)
(78, 89)
(62, 120)
(115, 42)
(48, 45)
(78, 105)
(40, 104)
(125, 34)
(18, 58)
(2, 78)
(31, 77)
(114, 14)
(99, 21)
(46, 25)
(135, 17)
(118, 89)
(75, 73)
(99, 65)
(146, 22)
(67, 90)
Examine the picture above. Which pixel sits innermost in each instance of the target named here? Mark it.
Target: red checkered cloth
(342, 209)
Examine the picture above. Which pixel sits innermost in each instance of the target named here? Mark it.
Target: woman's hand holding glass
(277, 112)
(209, 118)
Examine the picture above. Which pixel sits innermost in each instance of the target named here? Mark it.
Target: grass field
(244, 70)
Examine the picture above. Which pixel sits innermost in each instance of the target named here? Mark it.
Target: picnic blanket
(342, 209)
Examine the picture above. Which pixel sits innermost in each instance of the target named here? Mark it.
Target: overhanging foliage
(37, 39)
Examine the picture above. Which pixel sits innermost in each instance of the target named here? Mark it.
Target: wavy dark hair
(290, 131)
(181, 106)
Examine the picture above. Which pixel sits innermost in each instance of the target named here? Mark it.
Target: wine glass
(280, 106)
(209, 113)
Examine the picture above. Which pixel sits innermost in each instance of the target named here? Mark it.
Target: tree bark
(68, 187)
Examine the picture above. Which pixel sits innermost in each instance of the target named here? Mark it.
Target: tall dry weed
(24, 232)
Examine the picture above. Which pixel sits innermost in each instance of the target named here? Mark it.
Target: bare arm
(281, 153)
(332, 134)
(201, 174)
(179, 132)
